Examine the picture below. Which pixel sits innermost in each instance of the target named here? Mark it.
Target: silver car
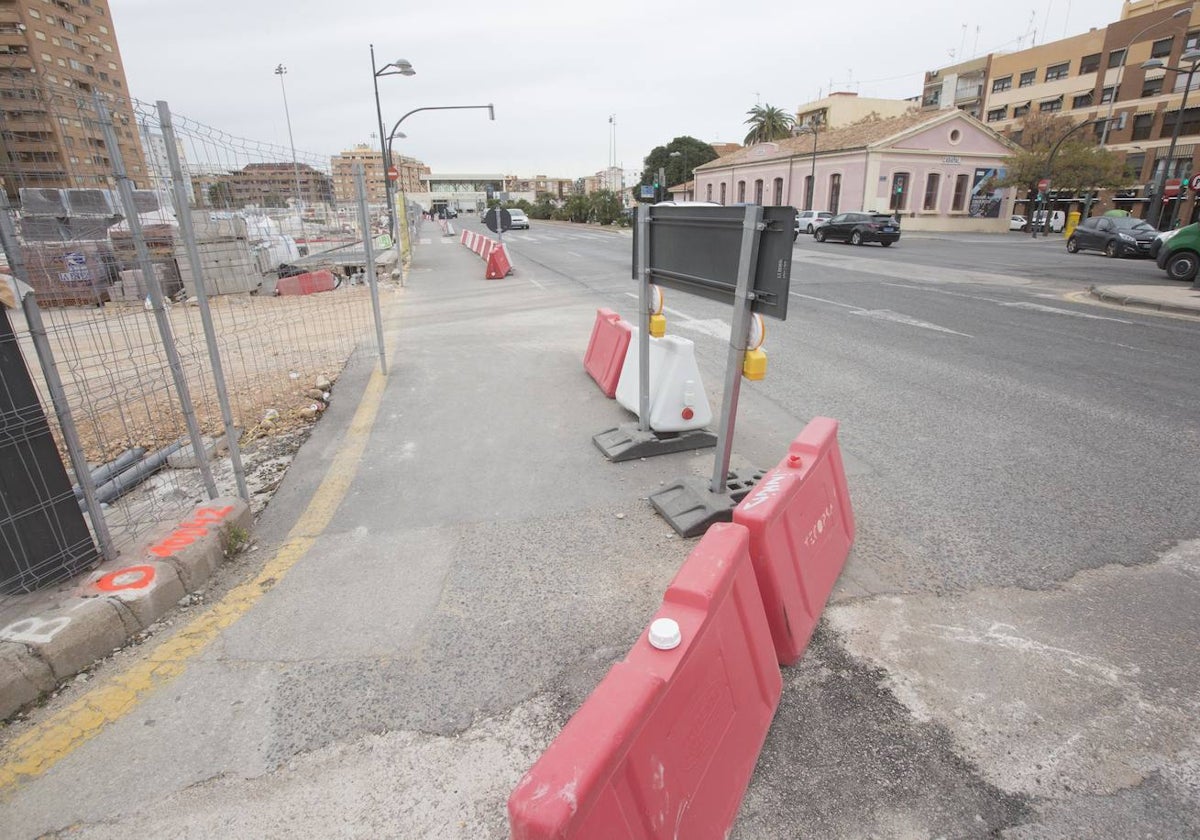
(810, 220)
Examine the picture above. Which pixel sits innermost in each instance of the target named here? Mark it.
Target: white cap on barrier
(664, 633)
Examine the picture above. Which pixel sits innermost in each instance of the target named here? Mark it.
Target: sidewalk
(1174, 298)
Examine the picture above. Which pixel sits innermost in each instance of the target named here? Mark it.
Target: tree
(692, 153)
(220, 194)
(1078, 166)
(605, 206)
(577, 209)
(544, 207)
(768, 123)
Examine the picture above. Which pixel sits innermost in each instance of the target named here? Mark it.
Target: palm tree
(768, 123)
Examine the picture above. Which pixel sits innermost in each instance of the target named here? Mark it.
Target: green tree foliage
(1079, 165)
(544, 207)
(605, 206)
(692, 153)
(577, 209)
(220, 194)
(768, 123)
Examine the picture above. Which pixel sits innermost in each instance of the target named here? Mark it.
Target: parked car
(1018, 223)
(1058, 220)
(1179, 255)
(810, 220)
(519, 219)
(860, 228)
(1116, 237)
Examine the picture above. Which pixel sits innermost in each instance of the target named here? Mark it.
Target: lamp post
(1192, 59)
(811, 127)
(1182, 13)
(280, 71)
(399, 67)
(683, 154)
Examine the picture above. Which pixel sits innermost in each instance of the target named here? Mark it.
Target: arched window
(758, 190)
(708, 192)
(778, 192)
(835, 193)
(932, 182)
(899, 199)
(741, 192)
(722, 192)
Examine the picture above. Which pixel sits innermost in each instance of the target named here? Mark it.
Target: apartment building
(1097, 74)
(264, 185)
(558, 188)
(345, 189)
(958, 86)
(158, 164)
(845, 108)
(54, 57)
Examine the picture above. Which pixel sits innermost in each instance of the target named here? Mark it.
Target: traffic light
(1183, 183)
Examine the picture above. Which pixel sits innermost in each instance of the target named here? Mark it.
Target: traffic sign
(1196, 182)
(497, 220)
(1044, 184)
(1171, 188)
(393, 173)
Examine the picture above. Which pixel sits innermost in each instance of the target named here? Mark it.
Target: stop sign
(1044, 184)
(1171, 188)
(393, 173)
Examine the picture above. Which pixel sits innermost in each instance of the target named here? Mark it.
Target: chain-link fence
(197, 285)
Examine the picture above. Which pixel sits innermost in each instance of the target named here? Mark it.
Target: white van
(1058, 220)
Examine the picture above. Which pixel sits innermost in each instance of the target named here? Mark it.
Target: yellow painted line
(36, 751)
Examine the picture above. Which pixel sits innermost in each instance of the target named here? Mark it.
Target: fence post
(58, 395)
(125, 189)
(183, 214)
(364, 223)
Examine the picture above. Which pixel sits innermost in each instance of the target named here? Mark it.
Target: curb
(1143, 303)
(115, 602)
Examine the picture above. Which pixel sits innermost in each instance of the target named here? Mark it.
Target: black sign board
(696, 249)
(497, 220)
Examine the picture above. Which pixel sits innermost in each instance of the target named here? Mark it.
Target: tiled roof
(857, 136)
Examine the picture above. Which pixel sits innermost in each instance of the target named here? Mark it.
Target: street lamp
(1191, 58)
(683, 155)
(399, 67)
(280, 70)
(811, 127)
(1182, 13)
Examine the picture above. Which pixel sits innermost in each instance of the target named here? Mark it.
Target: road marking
(714, 327)
(34, 752)
(424, 241)
(896, 317)
(536, 283)
(1041, 307)
(826, 300)
(526, 238)
(576, 254)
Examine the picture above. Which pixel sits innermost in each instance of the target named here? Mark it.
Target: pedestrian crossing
(542, 237)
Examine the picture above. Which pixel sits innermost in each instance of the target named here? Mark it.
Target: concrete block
(196, 546)
(148, 590)
(23, 678)
(69, 639)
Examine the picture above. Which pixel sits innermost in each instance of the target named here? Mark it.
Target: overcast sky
(555, 69)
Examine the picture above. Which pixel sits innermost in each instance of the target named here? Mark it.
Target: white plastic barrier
(678, 402)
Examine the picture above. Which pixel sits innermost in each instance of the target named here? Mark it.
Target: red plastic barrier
(478, 249)
(463, 238)
(665, 745)
(306, 284)
(489, 245)
(498, 265)
(606, 350)
(801, 529)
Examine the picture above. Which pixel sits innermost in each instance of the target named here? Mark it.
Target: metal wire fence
(198, 284)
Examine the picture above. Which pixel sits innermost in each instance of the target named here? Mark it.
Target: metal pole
(1162, 178)
(58, 395)
(280, 70)
(183, 214)
(361, 184)
(643, 263)
(125, 189)
(812, 196)
(385, 151)
(738, 336)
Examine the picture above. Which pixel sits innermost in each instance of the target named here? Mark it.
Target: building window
(778, 192)
(758, 191)
(1152, 87)
(808, 192)
(997, 114)
(1133, 166)
(899, 198)
(1028, 78)
(1084, 100)
(722, 192)
(1089, 63)
(1020, 110)
(1141, 126)
(934, 98)
(708, 192)
(1162, 48)
(1192, 41)
(1116, 58)
(1058, 71)
(1002, 84)
(1191, 123)
(1051, 105)
(835, 193)
(932, 182)
(960, 194)
(741, 192)
(1181, 82)
(1106, 95)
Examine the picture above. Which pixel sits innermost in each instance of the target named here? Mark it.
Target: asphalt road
(1010, 652)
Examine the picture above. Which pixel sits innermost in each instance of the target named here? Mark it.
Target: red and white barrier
(665, 745)
(463, 239)
(306, 284)
(678, 402)
(498, 265)
(606, 350)
(801, 529)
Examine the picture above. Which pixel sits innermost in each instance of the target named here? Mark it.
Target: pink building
(934, 171)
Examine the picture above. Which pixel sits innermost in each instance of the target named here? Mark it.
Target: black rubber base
(690, 506)
(627, 442)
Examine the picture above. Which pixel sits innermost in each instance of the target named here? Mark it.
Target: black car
(859, 228)
(1116, 236)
